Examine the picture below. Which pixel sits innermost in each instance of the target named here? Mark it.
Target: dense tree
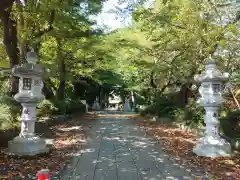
(178, 40)
(158, 54)
(25, 26)
(58, 30)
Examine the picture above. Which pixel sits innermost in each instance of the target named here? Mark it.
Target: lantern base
(29, 146)
(96, 106)
(209, 146)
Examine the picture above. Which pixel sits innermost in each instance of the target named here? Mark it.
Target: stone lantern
(212, 83)
(126, 106)
(84, 102)
(96, 105)
(30, 93)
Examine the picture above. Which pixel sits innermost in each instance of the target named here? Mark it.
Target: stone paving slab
(117, 150)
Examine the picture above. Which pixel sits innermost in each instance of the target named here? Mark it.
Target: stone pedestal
(27, 143)
(212, 145)
(27, 146)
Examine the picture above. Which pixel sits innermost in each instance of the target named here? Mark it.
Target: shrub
(230, 124)
(68, 106)
(46, 108)
(149, 110)
(194, 114)
(9, 112)
(161, 107)
(73, 106)
(6, 118)
(60, 106)
(166, 111)
(177, 114)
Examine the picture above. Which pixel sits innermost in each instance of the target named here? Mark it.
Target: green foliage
(68, 106)
(53, 106)
(46, 108)
(62, 34)
(6, 119)
(177, 114)
(194, 114)
(162, 107)
(155, 57)
(166, 46)
(74, 106)
(9, 108)
(230, 124)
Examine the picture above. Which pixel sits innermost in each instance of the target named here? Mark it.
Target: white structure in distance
(114, 102)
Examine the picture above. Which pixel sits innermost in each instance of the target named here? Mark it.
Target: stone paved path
(117, 150)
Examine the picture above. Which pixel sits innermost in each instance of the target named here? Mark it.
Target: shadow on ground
(116, 149)
(179, 144)
(66, 136)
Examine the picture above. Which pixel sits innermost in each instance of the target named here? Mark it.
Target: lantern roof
(211, 73)
(27, 98)
(30, 68)
(27, 69)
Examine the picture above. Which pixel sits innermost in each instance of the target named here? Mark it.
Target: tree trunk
(101, 97)
(10, 41)
(4, 4)
(62, 80)
(62, 72)
(47, 91)
(184, 94)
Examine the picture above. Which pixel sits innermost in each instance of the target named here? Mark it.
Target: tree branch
(5, 21)
(221, 35)
(50, 27)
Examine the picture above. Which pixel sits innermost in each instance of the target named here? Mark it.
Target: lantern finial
(32, 56)
(210, 60)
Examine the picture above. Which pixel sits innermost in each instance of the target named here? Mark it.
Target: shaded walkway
(117, 150)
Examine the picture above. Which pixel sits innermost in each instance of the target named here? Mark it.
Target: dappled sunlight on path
(179, 144)
(116, 149)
